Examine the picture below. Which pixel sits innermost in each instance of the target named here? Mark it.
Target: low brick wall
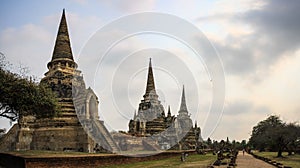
(270, 161)
(9, 160)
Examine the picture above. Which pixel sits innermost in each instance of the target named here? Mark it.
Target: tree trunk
(279, 154)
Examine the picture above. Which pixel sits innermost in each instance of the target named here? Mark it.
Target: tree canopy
(21, 96)
(275, 135)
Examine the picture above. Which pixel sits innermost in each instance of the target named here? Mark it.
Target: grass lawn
(293, 160)
(193, 160)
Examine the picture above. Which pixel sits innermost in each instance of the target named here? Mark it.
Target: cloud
(33, 43)
(238, 107)
(276, 27)
(259, 47)
(80, 2)
(280, 90)
(256, 38)
(238, 119)
(20, 46)
(132, 5)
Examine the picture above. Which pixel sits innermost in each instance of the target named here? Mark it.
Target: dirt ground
(245, 161)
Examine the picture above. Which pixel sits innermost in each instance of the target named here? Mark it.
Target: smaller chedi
(169, 131)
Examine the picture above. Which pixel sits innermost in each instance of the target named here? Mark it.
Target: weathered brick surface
(8, 160)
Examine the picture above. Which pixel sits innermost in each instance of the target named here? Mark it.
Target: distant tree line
(20, 95)
(224, 145)
(272, 134)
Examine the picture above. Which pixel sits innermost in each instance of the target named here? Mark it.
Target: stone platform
(61, 160)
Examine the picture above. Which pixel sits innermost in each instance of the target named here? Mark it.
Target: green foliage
(239, 145)
(20, 96)
(274, 135)
(209, 143)
(262, 133)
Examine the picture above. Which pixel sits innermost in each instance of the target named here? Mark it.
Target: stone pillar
(24, 136)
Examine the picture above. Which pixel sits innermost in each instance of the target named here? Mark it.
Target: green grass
(293, 160)
(192, 161)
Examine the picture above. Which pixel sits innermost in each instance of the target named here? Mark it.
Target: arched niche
(92, 107)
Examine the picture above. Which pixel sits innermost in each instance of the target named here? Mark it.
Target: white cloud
(131, 5)
(81, 2)
(260, 53)
(27, 45)
(280, 89)
(34, 43)
(232, 6)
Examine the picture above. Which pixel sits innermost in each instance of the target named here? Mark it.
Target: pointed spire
(163, 113)
(169, 111)
(150, 81)
(196, 124)
(183, 107)
(134, 117)
(62, 48)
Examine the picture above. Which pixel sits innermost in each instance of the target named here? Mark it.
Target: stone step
(67, 105)
(68, 114)
(68, 109)
(107, 136)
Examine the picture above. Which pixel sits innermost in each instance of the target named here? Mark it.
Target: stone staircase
(150, 144)
(108, 138)
(95, 127)
(67, 107)
(8, 141)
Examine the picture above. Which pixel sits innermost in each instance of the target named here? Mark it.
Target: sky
(255, 44)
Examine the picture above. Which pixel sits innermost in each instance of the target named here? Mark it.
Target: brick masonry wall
(8, 160)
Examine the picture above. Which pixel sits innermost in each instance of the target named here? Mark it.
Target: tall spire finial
(134, 116)
(169, 111)
(183, 107)
(62, 48)
(150, 80)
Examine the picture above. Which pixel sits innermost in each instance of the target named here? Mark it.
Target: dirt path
(249, 161)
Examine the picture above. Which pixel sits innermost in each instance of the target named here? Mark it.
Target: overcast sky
(258, 43)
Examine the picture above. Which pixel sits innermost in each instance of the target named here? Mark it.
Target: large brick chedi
(78, 105)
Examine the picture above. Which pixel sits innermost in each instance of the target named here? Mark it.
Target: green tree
(259, 138)
(20, 96)
(209, 143)
(275, 135)
(292, 138)
(244, 144)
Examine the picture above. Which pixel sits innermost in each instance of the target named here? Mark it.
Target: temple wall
(60, 139)
(8, 141)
